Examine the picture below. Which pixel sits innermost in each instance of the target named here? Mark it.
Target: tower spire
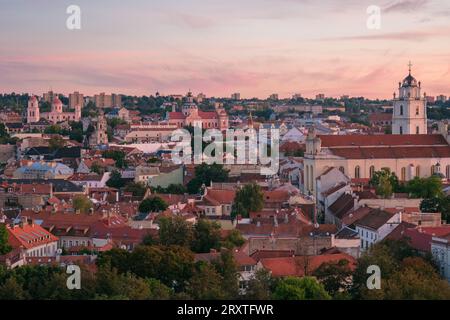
(410, 66)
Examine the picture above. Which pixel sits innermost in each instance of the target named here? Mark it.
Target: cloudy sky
(255, 47)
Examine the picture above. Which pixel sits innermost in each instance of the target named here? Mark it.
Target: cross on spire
(410, 65)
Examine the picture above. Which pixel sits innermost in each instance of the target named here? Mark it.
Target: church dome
(409, 81)
(57, 101)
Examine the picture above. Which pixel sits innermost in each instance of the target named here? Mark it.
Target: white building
(34, 240)
(375, 226)
(410, 108)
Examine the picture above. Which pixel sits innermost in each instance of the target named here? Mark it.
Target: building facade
(56, 114)
(410, 108)
(192, 116)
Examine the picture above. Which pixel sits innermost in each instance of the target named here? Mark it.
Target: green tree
(306, 288)
(226, 266)
(115, 258)
(415, 279)
(206, 236)
(335, 277)
(205, 283)
(171, 189)
(82, 203)
(430, 187)
(138, 189)
(118, 156)
(11, 290)
(96, 168)
(233, 239)
(115, 180)
(154, 204)
(385, 183)
(4, 245)
(175, 231)
(260, 286)
(158, 291)
(204, 174)
(384, 187)
(249, 198)
(388, 255)
(172, 265)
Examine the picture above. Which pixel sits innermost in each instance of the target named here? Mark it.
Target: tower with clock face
(410, 108)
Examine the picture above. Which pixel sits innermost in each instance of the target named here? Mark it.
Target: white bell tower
(410, 108)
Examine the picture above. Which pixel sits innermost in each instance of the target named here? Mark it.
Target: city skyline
(255, 48)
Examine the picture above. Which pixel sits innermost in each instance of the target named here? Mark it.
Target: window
(417, 130)
(433, 168)
(401, 110)
(357, 172)
(371, 171)
(401, 130)
(447, 172)
(418, 171)
(341, 169)
(417, 111)
(403, 177)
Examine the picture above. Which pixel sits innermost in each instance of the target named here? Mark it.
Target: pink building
(191, 116)
(55, 115)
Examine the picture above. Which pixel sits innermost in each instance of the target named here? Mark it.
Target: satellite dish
(124, 247)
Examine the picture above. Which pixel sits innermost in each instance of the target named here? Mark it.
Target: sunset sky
(255, 47)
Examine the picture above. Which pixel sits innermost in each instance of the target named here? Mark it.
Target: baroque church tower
(410, 108)
(100, 136)
(33, 110)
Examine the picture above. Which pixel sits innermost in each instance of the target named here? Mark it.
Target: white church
(409, 152)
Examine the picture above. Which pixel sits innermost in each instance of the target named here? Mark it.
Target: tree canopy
(249, 198)
(204, 174)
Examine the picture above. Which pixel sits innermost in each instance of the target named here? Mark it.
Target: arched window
(433, 169)
(341, 169)
(447, 172)
(401, 110)
(401, 130)
(371, 171)
(403, 177)
(357, 172)
(311, 178)
(417, 130)
(418, 171)
(417, 111)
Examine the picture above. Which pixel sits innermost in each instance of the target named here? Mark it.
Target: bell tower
(410, 108)
(33, 110)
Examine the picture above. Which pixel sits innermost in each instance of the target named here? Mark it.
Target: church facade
(409, 152)
(190, 115)
(55, 115)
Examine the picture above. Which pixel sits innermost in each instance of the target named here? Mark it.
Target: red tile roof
(29, 235)
(296, 266)
(220, 197)
(333, 141)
